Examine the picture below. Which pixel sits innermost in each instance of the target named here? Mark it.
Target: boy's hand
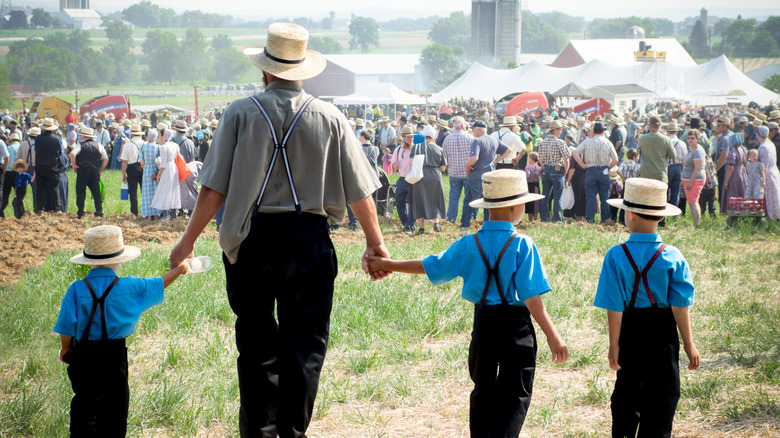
(560, 352)
(377, 263)
(65, 354)
(614, 353)
(693, 356)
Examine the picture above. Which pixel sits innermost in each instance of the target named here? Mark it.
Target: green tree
(562, 21)
(147, 14)
(163, 54)
(440, 64)
(324, 45)
(93, 68)
(228, 65)
(737, 38)
(537, 37)
(45, 68)
(17, 20)
(364, 32)
(193, 65)
(720, 25)
(201, 19)
(617, 27)
(773, 83)
(663, 26)
(77, 41)
(764, 45)
(40, 18)
(698, 41)
(221, 42)
(5, 81)
(454, 30)
(118, 32)
(124, 63)
(772, 25)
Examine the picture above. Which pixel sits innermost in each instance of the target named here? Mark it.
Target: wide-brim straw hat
(443, 123)
(645, 196)
(509, 121)
(555, 124)
(757, 122)
(504, 188)
(14, 136)
(146, 123)
(87, 132)
(18, 162)
(285, 54)
(774, 115)
(104, 245)
(135, 129)
(181, 125)
(34, 132)
(214, 124)
(672, 127)
(50, 124)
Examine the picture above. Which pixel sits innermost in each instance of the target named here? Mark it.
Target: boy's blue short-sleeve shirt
(669, 278)
(521, 269)
(129, 298)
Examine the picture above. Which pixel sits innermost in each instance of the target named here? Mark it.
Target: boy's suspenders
(642, 275)
(493, 271)
(95, 302)
(277, 147)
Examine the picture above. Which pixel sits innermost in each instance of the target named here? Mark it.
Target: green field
(397, 360)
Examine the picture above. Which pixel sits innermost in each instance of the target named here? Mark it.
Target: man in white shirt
(132, 172)
(508, 135)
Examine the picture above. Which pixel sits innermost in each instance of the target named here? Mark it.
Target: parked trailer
(50, 106)
(116, 104)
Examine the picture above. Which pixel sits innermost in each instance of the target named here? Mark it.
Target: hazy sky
(675, 10)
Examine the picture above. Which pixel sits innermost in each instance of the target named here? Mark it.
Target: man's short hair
(654, 121)
(367, 134)
(631, 153)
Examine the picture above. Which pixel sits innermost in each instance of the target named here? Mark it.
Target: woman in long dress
(149, 151)
(767, 154)
(428, 194)
(736, 174)
(168, 195)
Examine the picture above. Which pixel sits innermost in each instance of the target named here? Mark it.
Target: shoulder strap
(95, 302)
(492, 271)
(283, 147)
(642, 275)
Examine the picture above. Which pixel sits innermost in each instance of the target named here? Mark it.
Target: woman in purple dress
(736, 173)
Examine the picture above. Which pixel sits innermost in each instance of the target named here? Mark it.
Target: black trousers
(9, 180)
(18, 203)
(98, 375)
(502, 364)
(88, 177)
(647, 388)
(287, 261)
(707, 201)
(48, 180)
(135, 174)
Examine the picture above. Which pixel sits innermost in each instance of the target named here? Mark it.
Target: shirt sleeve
(66, 320)
(608, 293)
(219, 161)
(530, 278)
(149, 291)
(502, 147)
(474, 149)
(445, 266)
(681, 284)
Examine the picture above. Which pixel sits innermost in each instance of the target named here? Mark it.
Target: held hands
(371, 262)
(181, 252)
(614, 353)
(693, 356)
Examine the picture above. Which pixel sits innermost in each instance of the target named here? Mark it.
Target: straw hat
(14, 136)
(509, 121)
(104, 245)
(762, 116)
(50, 124)
(555, 124)
(443, 123)
(87, 132)
(214, 124)
(285, 54)
(146, 123)
(672, 127)
(757, 122)
(613, 174)
(19, 162)
(773, 115)
(34, 132)
(359, 122)
(407, 130)
(162, 126)
(504, 188)
(135, 129)
(646, 196)
(181, 125)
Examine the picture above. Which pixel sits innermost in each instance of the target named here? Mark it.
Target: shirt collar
(101, 272)
(281, 83)
(645, 238)
(497, 226)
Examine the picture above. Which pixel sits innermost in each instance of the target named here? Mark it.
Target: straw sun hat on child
(504, 188)
(646, 196)
(104, 245)
(285, 54)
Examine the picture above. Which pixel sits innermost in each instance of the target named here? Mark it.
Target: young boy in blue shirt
(93, 331)
(503, 276)
(646, 287)
(21, 181)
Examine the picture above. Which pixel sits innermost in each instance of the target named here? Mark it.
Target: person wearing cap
(457, 147)
(277, 252)
(485, 152)
(645, 310)
(554, 159)
(132, 171)
(71, 118)
(600, 156)
(507, 134)
(93, 343)
(47, 161)
(675, 165)
(767, 155)
(89, 159)
(504, 277)
(720, 154)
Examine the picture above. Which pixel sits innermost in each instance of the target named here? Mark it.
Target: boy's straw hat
(646, 196)
(19, 162)
(104, 245)
(504, 188)
(613, 173)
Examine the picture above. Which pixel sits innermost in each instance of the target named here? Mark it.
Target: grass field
(396, 366)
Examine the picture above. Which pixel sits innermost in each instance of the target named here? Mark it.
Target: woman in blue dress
(149, 151)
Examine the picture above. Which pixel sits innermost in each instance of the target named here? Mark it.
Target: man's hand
(180, 252)
(380, 251)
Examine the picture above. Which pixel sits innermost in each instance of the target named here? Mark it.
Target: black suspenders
(95, 302)
(642, 276)
(277, 147)
(493, 270)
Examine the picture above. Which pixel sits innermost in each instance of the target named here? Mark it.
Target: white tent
(151, 108)
(714, 82)
(380, 93)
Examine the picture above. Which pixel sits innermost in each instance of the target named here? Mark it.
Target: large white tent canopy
(380, 93)
(715, 82)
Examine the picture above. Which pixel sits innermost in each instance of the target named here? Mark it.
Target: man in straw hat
(508, 134)
(94, 346)
(186, 146)
(554, 157)
(277, 251)
(89, 159)
(503, 276)
(645, 309)
(132, 171)
(46, 157)
(720, 153)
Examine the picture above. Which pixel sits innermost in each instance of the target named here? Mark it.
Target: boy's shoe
(437, 227)
(421, 231)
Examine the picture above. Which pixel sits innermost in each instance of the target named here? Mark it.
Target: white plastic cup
(199, 264)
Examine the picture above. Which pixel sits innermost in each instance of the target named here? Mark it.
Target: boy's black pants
(648, 384)
(707, 201)
(98, 375)
(135, 174)
(18, 202)
(287, 262)
(502, 363)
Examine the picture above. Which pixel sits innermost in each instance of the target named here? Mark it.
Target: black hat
(98, 123)
(598, 127)
(479, 124)
(403, 119)
(695, 122)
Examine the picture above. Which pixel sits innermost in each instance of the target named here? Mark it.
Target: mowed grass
(397, 363)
